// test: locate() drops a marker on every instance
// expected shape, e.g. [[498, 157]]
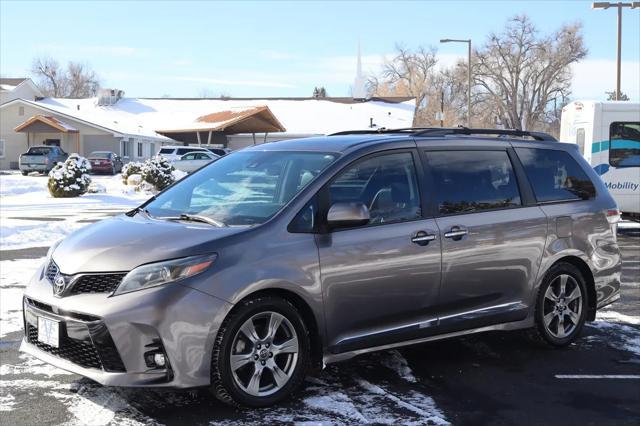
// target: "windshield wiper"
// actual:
[[194, 218]]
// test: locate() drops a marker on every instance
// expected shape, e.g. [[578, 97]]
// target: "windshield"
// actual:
[[246, 188], [99, 155]]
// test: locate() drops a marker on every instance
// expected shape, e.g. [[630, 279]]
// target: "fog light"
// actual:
[[159, 360]]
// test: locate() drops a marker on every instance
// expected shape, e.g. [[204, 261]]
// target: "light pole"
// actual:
[[619, 5], [449, 40]]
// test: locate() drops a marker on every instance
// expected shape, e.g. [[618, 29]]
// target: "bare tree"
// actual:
[[76, 81], [50, 76], [409, 73], [517, 73]]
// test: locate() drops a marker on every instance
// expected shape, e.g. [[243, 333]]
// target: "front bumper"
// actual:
[[105, 338]]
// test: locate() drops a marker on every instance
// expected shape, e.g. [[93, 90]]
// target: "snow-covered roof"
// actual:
[[11, 84], [143, 117]]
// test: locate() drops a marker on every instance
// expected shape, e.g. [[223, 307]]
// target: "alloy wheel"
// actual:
[[562, 308], [264, 354]]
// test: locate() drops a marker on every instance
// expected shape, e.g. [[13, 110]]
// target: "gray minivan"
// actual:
[[294, 254]]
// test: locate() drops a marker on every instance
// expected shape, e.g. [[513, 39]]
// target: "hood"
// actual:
[[122, 243]]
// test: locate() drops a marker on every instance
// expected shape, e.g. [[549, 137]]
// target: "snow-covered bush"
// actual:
[[158, 172], [134, 180], [131, 168], [71, 178]]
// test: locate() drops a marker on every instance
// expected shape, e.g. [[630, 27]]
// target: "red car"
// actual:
[[105, 162]]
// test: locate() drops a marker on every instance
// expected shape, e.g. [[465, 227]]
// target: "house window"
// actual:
[[139, 149], [1, 148], [21, 111], [152, 149], [126, 148]]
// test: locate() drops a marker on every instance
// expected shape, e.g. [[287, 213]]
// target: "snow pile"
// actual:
[[71, 178], [158, 172]]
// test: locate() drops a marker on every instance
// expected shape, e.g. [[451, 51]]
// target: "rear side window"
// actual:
[[471, 181], [167, 151], [624, 150], [555, 175]]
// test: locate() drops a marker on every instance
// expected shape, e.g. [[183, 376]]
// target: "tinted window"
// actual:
[[386, 184], [166, 151], [39, 151], [555, 175], [305, 221], [624, 150], [100, 155], [470, 181]]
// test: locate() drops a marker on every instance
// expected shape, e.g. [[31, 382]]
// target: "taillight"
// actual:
[[613, 216]]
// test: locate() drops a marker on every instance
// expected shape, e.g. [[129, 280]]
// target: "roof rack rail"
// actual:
[[445, 131]]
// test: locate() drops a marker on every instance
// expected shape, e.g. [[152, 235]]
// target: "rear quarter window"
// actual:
[[555, 175], [167, 150]]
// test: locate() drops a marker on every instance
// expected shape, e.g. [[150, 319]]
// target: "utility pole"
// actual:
[[449, 40], [619, 5]]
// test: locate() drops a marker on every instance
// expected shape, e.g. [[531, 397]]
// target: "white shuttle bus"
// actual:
[[608, 136]]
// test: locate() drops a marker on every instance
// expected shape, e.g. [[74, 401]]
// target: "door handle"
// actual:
[[422, 238], [456, 233]]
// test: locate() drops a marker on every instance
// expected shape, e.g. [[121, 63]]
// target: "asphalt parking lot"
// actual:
[[496, 378]]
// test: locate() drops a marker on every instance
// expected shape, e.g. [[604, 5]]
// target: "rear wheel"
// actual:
[[261, 353], [24, 172], [561, 306]]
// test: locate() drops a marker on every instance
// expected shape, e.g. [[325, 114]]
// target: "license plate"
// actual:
[[49, 332]]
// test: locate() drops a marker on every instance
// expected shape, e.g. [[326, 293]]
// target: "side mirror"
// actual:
[[346, 215]]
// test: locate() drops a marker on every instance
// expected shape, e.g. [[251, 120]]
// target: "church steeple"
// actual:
[[359, 84]]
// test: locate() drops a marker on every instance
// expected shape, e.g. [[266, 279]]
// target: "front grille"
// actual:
[[76, 351], [103, 283], [52, 271], [97, 352]]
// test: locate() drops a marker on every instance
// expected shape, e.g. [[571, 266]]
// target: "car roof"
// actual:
[[195, 148], [347, 141]]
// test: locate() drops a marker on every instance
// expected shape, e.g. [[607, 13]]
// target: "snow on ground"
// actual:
[[14, 275], [25, 202]]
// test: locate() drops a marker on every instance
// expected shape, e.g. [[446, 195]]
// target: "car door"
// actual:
[[380, 281], [492, 234]]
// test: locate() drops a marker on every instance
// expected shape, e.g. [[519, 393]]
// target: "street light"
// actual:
[[619, 5], [450, 40]]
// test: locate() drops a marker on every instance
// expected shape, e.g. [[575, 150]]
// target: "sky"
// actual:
[[258, 49]]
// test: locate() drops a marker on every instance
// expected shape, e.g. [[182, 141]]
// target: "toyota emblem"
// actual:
[[59, 285]]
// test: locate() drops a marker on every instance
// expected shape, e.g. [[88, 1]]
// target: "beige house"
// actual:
[[24, 123]]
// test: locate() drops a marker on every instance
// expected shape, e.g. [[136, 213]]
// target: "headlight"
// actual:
[[155, 274]]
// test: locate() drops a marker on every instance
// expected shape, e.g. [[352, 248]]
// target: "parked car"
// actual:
[[220, 152], [105, 162], [41, 159], [173, 153], [300, 253], [192, 161]]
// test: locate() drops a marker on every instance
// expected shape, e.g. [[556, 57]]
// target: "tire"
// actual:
[[237, 385], [560, 314], [113, 170], [24, 173]]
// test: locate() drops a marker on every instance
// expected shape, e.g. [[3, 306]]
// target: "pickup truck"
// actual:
[[41, 159]]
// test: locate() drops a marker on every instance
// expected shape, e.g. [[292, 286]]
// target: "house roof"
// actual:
[[153, 118], [11, 84], [238, 120], [48, 121]]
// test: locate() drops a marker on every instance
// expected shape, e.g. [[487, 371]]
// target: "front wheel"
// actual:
[[561, 306], [261, 353]]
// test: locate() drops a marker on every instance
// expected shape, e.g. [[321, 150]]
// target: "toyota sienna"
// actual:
[[290, 255]]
